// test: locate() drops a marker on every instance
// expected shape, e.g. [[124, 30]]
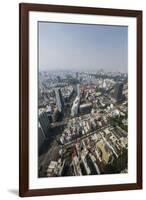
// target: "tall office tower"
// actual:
[[118, 94], [75, 107], [78, 90], [59, 99], [44, 122]]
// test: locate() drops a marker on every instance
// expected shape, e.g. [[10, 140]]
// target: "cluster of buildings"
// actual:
[[90, 155], [80, 126], [92, 111]]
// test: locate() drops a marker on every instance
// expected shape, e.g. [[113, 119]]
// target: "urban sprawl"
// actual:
[[82, 123]]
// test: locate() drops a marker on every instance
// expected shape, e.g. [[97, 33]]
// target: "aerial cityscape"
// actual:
[[82, 111]]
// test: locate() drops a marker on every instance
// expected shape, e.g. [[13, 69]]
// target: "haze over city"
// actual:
[[82, 47]]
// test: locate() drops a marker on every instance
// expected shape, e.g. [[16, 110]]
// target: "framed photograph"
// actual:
[[80, 99]]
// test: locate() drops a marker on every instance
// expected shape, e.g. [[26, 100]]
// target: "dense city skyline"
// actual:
[[82, 47], [83, 123]]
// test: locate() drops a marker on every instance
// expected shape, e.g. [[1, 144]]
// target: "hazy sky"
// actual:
[[82, 47]]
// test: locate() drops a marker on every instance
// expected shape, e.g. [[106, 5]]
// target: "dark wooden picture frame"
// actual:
[[24, 9]]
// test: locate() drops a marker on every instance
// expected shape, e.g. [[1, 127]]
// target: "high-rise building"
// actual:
[[75, 107], [118, 93], [59, 99], [78, 90], [44, 122]]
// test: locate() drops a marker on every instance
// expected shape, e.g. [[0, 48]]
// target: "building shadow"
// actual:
[[13, 191]]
